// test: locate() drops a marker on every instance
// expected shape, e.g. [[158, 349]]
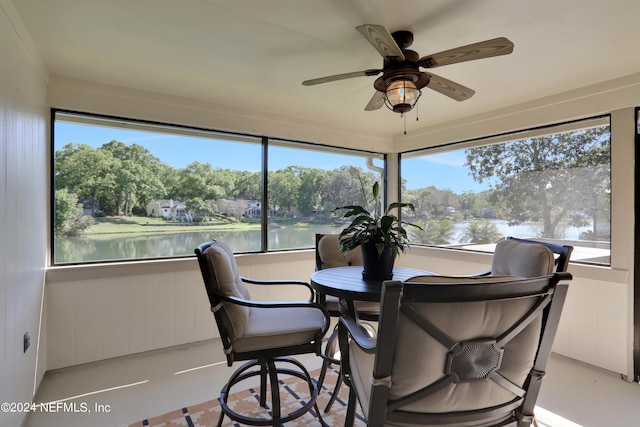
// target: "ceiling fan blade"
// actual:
[[371, 72], [382, 40], [485, 49], [376, 102], [447, 87]]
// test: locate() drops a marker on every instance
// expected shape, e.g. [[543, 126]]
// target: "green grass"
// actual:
[[143, 225], [134, 224]]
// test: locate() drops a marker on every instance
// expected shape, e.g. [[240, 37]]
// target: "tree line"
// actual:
[[552, 180], [119, 179]]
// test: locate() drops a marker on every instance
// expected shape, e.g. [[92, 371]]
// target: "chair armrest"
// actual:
[[485, 273], [482, 274], [281, 282], [270, 304], [360, 337]]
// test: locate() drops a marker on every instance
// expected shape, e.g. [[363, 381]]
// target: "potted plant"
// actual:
[[381, 236]]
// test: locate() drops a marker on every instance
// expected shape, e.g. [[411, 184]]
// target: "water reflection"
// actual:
[[108, 247], [80, 249]]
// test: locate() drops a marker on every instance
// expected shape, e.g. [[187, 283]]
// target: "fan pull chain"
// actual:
[[405, 123], [404, 116]]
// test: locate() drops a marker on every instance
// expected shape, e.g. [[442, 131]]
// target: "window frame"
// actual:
[[142, 124], [506, 137]]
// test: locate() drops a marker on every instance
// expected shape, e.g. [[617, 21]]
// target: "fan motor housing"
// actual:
[[407, 69]]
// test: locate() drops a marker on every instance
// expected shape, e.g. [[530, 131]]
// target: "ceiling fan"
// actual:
[[401, 82]]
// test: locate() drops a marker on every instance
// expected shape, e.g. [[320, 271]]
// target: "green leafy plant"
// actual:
[[383, 230]]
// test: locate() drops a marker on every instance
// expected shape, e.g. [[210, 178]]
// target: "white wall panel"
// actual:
[[148, 306], [23, 211], [593, 328], [138, 314], [113, 308], [84, 302], [60, 325], [163, 313], [127, 310]]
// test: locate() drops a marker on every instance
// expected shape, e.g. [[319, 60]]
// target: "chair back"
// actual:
[[529, 258], [562, 253], [328, 254], [461, 353], [222, 279]]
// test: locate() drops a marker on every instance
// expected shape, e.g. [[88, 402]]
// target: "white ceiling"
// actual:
[[255, 53]]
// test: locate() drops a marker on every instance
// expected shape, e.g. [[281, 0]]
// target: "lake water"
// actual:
[[120, 246]]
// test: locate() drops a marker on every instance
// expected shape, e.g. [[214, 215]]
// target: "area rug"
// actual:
[[293, 392]]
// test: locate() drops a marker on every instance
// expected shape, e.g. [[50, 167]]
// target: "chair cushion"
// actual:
[[462, 322], [229, 283], [366, 307], [361, 366], [331, 256], [513, 258], [273, 328], [413, 371], [460, 279]]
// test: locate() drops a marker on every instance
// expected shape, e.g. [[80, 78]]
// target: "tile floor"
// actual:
[[117, 392]]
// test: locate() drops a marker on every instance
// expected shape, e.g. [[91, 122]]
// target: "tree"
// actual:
[[312, 182], [420, 198], [541, 179], [84, 171], [434, 232], [343, 187], [468, 201], [480, 232], [248, 185], [284, 187], [117, 175], [68, 218], [199, 208], [169, 179], [136, 175], [198, 180]]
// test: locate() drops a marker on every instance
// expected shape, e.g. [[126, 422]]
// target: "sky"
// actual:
[[443, 170]]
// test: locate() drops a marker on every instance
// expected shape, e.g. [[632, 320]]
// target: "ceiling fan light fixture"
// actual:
[[401, 95]]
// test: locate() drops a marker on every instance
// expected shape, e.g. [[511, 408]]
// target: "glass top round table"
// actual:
[[347, 282]]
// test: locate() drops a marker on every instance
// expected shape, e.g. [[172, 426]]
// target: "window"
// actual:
[[552, 183], [306, 183], [126, 190]]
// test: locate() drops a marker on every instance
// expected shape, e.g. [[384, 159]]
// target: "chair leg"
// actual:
[[327, 356], [329, 359], [351, 409], [267, 367], [263, 383], [275, 393], [323, 372], [336, 389], [220, 419]]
